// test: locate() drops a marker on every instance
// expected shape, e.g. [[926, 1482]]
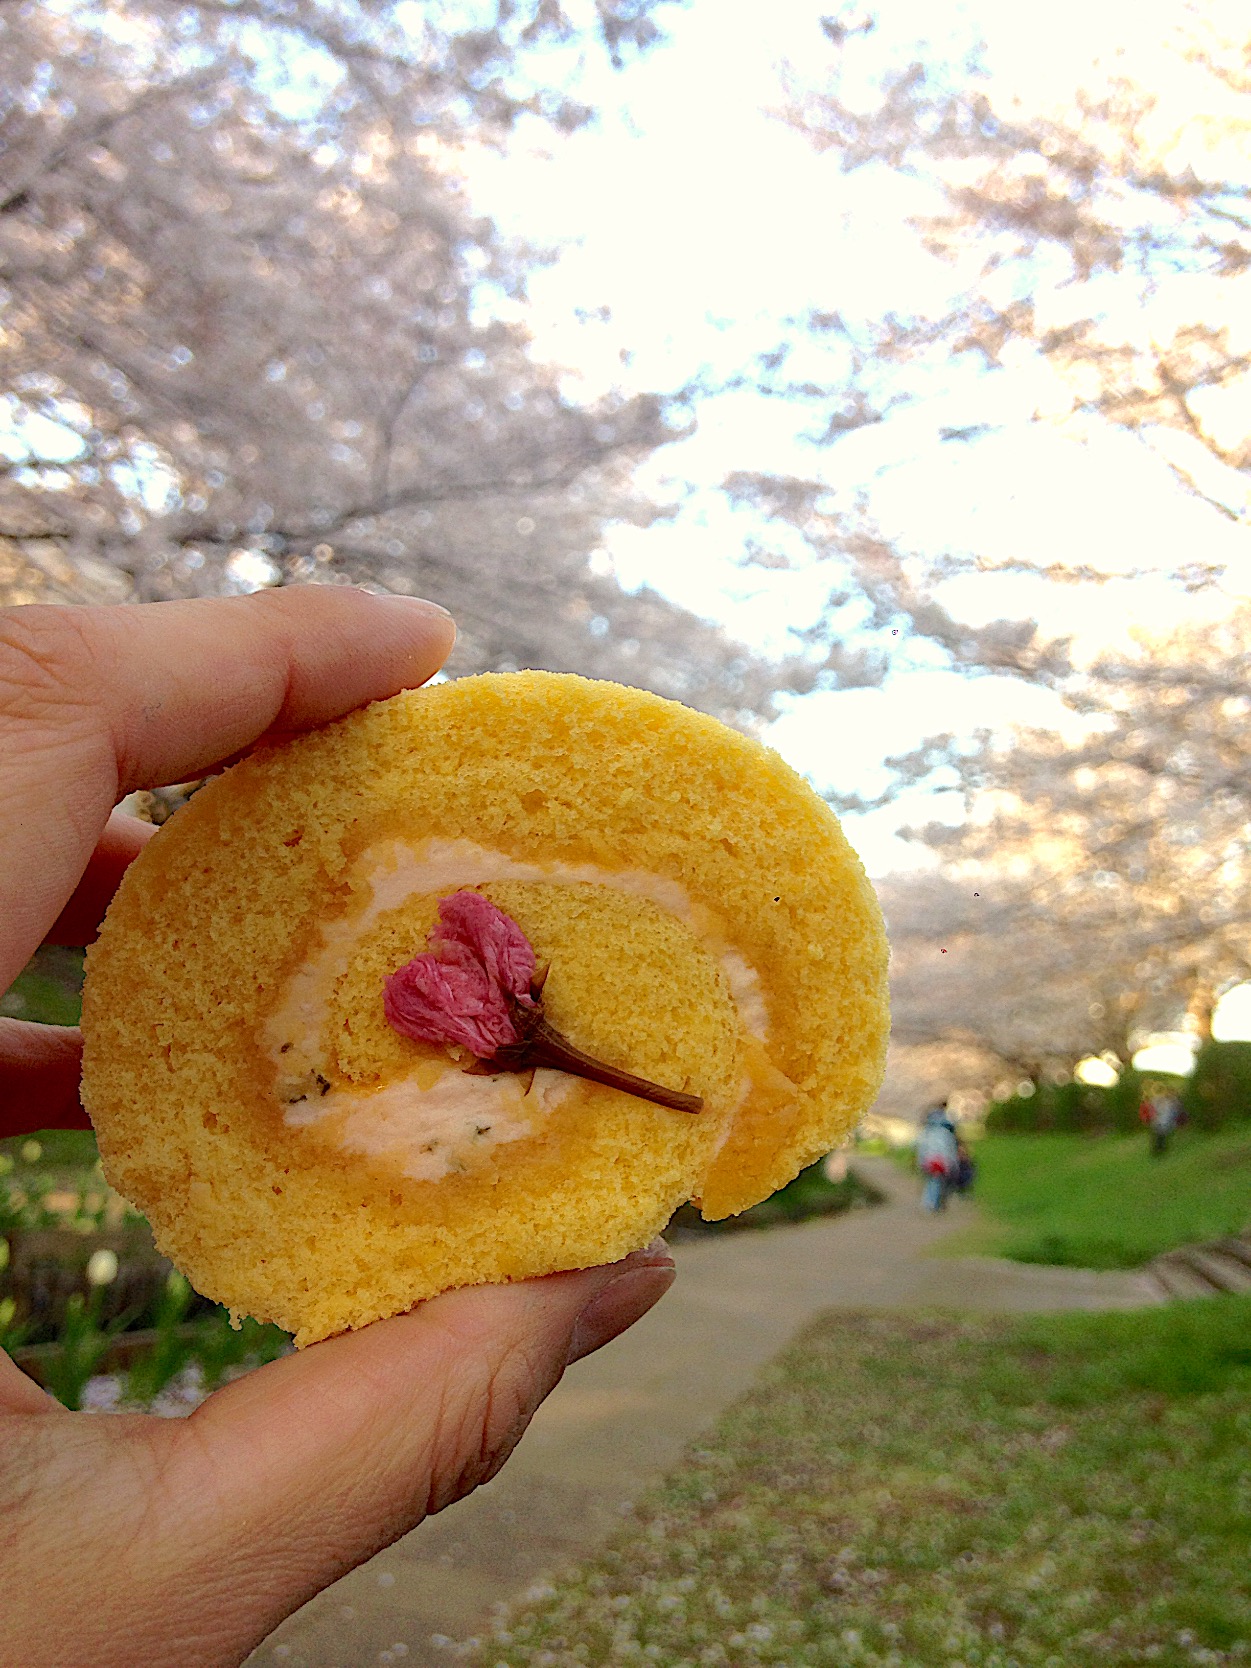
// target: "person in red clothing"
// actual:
[[1161, 1111]]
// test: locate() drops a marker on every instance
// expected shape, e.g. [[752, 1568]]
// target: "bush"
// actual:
[[1220, 1089], [49, 1149], [1081, 1108], [1217, 1093], [810, 1194]]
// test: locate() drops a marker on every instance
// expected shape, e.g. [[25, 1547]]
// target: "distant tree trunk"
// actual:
[[1199, 1012]]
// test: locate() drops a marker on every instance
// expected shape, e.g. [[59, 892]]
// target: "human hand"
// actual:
[[126, 1539]]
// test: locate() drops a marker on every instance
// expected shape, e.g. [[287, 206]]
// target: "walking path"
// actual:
[[624, 1416]]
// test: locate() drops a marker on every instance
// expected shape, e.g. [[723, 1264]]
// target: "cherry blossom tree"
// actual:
[[1098, 247], [254, 333], [1110, 237], [989, 961], [1097, 888]]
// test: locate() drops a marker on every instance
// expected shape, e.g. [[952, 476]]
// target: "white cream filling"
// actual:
[[432, 1133], [436, 1130]]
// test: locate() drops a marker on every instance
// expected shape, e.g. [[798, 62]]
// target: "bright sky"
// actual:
[[702, 224]]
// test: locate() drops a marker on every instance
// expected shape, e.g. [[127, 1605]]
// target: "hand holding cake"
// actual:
[[127, 1539]]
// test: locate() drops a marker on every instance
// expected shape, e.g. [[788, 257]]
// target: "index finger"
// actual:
[[95, 702]]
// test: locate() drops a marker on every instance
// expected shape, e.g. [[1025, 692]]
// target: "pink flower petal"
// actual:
[[435, 1002], [469, 922], [461, 994]]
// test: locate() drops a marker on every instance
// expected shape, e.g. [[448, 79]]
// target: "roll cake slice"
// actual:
[[507, 857]]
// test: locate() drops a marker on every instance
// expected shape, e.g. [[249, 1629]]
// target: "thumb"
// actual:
[[318, 1460]]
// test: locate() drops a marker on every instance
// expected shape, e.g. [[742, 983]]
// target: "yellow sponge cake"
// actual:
[[289, 1054]]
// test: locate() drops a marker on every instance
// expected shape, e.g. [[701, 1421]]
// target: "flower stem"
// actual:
[[542, 1045]]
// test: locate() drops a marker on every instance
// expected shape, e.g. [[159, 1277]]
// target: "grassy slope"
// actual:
[[1105, 1202], [903, 1492]]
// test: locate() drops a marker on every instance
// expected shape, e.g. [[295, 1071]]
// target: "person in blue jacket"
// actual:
[[938, 1157]]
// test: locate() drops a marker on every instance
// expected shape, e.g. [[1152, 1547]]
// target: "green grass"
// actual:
[[1103, 1201], [49, 988], [906, 1492], [81, 1348], [75, 1345], [86, 1346]]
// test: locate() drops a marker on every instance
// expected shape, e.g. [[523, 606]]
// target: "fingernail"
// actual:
[[644, 1278], [420, 604]]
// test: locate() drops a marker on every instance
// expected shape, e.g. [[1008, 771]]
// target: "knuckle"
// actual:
[[481, 1414], [46, 663], [485, 1428]]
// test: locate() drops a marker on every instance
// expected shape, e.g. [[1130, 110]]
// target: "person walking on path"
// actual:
[[937, 1157], [1161, 1111]]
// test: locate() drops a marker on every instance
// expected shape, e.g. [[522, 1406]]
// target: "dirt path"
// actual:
[[624, 1416]]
